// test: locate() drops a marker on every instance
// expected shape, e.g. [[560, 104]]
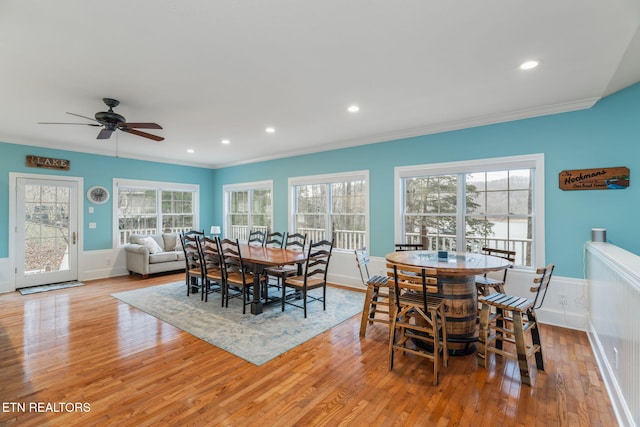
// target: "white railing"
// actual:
[[344, 239], [614, 302], [348, 239], [125, 234], [447, 242]]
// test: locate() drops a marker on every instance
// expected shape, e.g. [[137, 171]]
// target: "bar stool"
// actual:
[[484, 283], [378, 298], [523, 318]]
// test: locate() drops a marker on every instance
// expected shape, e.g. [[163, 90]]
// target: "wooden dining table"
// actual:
[[262, 257], [456, 275]]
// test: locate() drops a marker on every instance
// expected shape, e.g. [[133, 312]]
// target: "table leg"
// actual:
[[256, 304]]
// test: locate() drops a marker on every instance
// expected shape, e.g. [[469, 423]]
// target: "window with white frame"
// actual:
[[335, 205], [149, 207], [248, 206], [465, 206]]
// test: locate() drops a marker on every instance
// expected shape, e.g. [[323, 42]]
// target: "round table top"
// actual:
[[456, 264]]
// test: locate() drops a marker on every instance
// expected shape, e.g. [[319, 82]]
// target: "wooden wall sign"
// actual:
[[48, 163], [595, 179]]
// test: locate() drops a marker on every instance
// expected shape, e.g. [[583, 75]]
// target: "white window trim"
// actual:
[[328, 179], [244, 186], [156, 185], [528, 161]]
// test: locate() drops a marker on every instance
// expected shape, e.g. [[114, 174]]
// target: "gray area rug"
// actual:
[[52, 287], [254, 338]]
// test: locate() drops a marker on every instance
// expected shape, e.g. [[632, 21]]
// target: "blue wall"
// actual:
[[99, 170], [606, 135]]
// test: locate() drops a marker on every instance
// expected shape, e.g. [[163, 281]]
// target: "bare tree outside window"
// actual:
[[47, 225]]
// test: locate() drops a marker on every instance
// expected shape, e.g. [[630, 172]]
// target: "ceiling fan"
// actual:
[[111, 121]]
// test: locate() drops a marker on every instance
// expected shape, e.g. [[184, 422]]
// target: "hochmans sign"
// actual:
[[595, 179]]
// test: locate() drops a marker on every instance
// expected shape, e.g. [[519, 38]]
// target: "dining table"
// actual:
[[261, 257], [456, 274]]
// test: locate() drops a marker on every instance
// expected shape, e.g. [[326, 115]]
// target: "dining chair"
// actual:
[[314, 276], [485, 284], [494, 331], [257, 237], [275, 240], [378, 299], [418, 324], [194, 277], [295, 241], [236, 274], [199, 233], [409, 247], [213, 265]]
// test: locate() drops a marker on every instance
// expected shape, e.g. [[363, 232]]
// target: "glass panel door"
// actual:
[[46, 241]]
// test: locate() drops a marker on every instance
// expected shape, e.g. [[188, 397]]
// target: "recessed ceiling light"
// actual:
[[226, 141], [528, 65], [270, 130], [191, 151], [353, 109]]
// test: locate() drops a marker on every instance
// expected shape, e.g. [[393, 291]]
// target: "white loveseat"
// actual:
[[144, 257]]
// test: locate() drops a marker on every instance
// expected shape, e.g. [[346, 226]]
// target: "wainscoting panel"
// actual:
[[614, 304]]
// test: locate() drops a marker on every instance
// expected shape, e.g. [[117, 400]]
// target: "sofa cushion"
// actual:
[[171, 242], [151, 244], [163, 257]]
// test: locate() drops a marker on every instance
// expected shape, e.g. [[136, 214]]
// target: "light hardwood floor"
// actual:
[[81, 345]]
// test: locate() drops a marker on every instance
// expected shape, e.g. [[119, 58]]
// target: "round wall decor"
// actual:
[[98, 195]]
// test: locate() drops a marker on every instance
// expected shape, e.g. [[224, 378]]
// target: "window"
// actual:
[[464, 206], [327, 206], [248, 207], [146, 207]]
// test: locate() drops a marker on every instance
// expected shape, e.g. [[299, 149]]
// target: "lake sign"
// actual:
[[595, 179]]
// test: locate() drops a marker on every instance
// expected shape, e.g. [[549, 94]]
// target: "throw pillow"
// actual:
[[152, 245]]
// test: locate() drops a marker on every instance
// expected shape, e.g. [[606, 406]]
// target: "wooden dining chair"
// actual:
[[484, 284], [314, 276], [295, 241], [275, 240], [418, 322], [494, 319], [236, 275], [214, 269], [257, 237], [194, 276], [378, 300]]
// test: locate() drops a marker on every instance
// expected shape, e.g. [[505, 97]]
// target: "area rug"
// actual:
[[52, 287], [254, 338]]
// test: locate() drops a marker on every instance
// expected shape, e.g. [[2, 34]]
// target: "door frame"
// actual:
[[13, 230]]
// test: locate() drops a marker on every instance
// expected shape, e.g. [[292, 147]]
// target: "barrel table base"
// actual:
[[461, 311]]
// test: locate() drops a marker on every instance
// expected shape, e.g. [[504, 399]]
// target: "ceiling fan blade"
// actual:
[[59, 123], [142, 125], [104, 134], [84, 117], [143, 134]]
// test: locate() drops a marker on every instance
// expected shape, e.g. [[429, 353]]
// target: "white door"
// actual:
[[46, 225]]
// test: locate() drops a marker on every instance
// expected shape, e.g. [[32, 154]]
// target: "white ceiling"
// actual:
[[210, 70]]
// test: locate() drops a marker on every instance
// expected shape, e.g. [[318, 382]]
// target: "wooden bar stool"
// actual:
[[485, 284], [418, 318], [378, 299], [523, 318]]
